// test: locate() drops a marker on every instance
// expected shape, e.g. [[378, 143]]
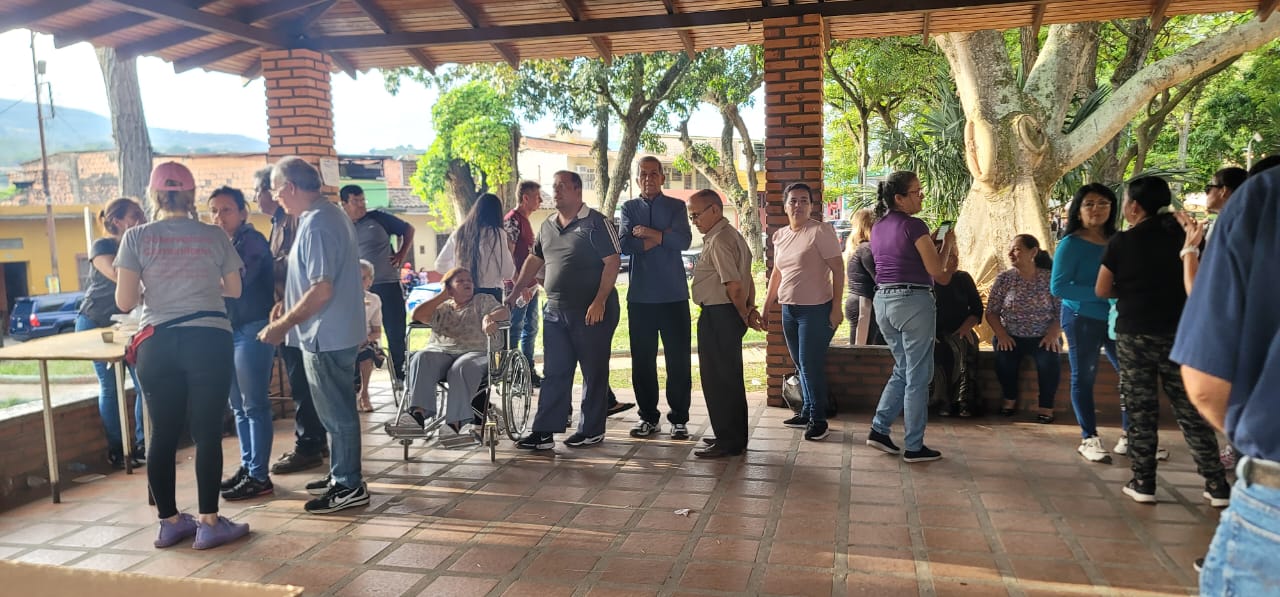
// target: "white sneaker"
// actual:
[[1162, 454], [1091, 449], [1122, 445]]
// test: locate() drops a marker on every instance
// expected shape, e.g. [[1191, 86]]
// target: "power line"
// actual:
[[14, 104]]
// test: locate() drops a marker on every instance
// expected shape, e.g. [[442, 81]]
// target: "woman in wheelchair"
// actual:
[[460, 320]]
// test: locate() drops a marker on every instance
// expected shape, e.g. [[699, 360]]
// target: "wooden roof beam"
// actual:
[[632, 24], [383, 22], [343, 64], [211, 55], [670, 5], [1158, 8], [37, 12], [604, 48], [686, 38], [420, 56], [275, 8], [297, 26], [111, 24], [477, 20], [924, 30], [1037, 17], [252, 72], [1266, 7], [204, 21]]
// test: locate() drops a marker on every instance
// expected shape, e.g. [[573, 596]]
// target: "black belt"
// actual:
[[904, 287], [1260, 472]]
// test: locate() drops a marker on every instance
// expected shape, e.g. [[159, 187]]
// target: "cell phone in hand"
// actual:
[[944, 228]]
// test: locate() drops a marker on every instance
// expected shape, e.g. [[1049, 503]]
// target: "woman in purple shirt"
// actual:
[[907, 265], [1024, 316]]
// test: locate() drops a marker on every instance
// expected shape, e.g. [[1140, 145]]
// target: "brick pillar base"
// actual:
[[299, 106], [793, 50]]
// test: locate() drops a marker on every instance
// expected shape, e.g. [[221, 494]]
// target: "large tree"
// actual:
[[1015, 146], [726, 79], [128, 123]]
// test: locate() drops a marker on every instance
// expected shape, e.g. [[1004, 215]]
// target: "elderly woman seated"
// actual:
[[460, 320]]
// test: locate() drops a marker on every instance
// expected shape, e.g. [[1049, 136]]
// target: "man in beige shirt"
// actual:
[[722, 286]]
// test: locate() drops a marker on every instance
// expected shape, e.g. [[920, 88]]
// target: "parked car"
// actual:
[[45, 315], [625, 265], [690, 259]]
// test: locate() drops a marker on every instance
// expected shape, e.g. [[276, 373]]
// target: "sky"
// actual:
[[366, 116]]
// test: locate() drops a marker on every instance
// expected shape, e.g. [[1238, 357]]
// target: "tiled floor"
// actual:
[[1010, 510]]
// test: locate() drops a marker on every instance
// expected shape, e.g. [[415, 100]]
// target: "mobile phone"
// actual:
[[944, 228]]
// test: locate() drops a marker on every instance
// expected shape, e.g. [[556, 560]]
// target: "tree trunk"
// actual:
[[622, 168], [1029, 40], [864, 146], [510, 189], [128, 123], [462, 188], [600, 149], [749, 222]]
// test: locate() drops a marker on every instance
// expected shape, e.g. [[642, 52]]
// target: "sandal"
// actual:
[[364, 406]]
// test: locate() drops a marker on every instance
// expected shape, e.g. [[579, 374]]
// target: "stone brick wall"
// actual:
[[793, 50], [299, 105]]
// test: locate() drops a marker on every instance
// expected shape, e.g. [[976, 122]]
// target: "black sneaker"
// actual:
[[1198, 564], [116, 460], [797, 422], [1218, 493], [248, 488], [816, 431], [293, 462], [1143, 493], [882, 442], [536, 441], [534, 379], [233, 480], [619, 407], [339, 498], [140, 452], [320, 486], [924, 454], [579, 440]]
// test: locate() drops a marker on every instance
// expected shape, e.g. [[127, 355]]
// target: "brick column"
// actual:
[[299, 106], [793, 50]]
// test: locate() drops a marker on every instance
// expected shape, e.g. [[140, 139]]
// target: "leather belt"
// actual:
[[1256, 471], [904, 287]]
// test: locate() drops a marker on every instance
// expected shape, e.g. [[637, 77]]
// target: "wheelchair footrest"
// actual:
[[408, 431]]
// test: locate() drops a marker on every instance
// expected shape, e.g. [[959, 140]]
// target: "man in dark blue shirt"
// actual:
[[1229, 347], [655, 229]]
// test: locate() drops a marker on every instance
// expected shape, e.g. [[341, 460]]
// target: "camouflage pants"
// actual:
[[1144, 359]]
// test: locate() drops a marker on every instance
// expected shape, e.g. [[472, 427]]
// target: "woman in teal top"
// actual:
[[1090, 223]]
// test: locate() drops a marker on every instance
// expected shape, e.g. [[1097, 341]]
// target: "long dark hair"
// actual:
[[1074, 222], [1043, 260], [484, 218], [896, 184]]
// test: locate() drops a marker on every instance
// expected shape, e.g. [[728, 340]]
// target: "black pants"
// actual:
[[852, 314], [671, 322], [569, 343], [720, 332], [187, 372], [310, 433], [393, 322]]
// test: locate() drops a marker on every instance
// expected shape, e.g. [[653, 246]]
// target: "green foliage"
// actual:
[[473, 124], [932, 145], [6, 193]]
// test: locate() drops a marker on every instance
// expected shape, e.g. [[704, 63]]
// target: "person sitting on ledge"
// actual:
[[1024, 316]]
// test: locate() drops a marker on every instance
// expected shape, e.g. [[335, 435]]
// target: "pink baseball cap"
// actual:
[[172, 176]]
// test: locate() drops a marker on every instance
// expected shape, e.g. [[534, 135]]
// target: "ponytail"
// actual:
[[888, 189], [1043, 260]]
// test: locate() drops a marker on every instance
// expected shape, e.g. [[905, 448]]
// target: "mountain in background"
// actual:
[[81, 130]]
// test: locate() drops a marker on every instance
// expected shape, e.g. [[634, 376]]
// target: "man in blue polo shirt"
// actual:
[[655, 229], [1229, 346]]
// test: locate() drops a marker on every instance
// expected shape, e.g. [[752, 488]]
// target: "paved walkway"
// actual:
[[1010, 510]]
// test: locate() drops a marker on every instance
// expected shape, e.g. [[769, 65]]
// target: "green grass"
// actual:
[[56, 368]]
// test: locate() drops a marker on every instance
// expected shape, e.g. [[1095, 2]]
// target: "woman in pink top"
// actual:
[[807, 279]]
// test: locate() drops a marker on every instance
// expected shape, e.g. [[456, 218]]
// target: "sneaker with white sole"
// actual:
[[1218, 493], [1091, 449], [1122, 445], [536, 441], [339, 498], [320, 486], [882, 442], [817, 431], [797, 422], [645, 429], [579, 440], [1162, 454], [679, 431], [1143, 493], [924, 454]]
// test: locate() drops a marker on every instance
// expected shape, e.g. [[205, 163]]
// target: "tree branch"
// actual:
[[1053, 79], [1129, 99]]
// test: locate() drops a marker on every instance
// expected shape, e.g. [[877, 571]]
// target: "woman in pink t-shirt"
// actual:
[[807, 279]]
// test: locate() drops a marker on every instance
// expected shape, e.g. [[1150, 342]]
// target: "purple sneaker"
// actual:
[[222, 532], [173, 532]]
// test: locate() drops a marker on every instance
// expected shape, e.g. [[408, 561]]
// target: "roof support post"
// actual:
[[299, 106], [793, 78]]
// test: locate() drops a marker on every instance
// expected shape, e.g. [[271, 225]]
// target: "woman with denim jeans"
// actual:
[[1091, 221], [807, 279], [248, 315], [184, 348], [907, 265], [95, 312], [1023, 314]]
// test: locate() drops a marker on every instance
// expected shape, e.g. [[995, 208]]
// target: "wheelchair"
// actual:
[[508, 412]]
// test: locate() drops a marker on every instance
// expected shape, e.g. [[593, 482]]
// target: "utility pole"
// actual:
[[53, 282]]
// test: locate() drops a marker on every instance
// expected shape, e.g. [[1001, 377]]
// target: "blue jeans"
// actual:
[[807, 330], [524, 328], [907, 318], [1085, 337], [1241, 559], [567, 344], [1048, 368], [331, 376], [108, 402], [249, 399]]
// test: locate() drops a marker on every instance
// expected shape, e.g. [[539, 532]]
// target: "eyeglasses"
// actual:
[[694, 215], [1095, 204], [1210, 187]]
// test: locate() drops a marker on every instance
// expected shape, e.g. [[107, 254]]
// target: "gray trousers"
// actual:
[[463, 372]]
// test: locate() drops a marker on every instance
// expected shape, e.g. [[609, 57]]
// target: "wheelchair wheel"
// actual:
[[516, 389]]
